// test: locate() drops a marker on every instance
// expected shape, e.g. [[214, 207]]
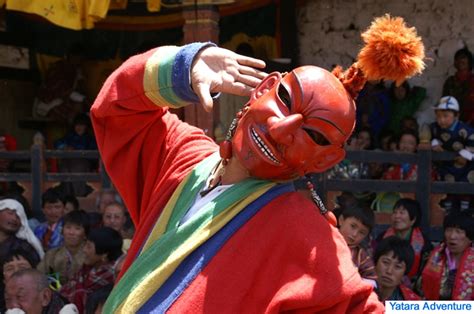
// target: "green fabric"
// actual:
[[175, 233], [164, 78], [405, 107]]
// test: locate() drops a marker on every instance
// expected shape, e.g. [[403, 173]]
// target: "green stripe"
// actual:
[[170, 241], [165, 71]]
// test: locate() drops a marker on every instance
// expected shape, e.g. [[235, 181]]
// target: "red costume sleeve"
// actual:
[[145, 148]]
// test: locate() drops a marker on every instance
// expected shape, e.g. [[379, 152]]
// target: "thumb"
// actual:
[[204, 94]]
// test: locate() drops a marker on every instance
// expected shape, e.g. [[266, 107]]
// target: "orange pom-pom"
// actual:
[[392, 51]]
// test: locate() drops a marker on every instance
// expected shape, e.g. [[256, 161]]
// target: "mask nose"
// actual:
[[282, 129]]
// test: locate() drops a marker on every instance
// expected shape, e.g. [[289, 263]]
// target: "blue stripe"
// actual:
[[188, 270], [180, 77]]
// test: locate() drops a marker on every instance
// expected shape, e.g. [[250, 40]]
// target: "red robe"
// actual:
[[287, 257]]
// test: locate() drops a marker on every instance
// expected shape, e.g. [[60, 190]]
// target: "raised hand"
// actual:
[[220, 70]]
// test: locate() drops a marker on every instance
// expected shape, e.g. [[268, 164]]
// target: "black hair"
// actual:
[[413, 208], [51, 196], [97, 298], [409, 132], [81, 118], [462, 221], [401, 249], [371, 136], [364, 214], [29, 255], [71, 199], [107, 241], [405, 85], [78, 217], [464, 53]]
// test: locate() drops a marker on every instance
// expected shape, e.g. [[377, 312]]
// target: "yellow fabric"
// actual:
[[158, 276], [165, 216], [153, 5], [150, 80], [73, 14]]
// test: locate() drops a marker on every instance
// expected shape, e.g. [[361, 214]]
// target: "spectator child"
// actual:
[[451, 134], [355, 224], [50, 231]]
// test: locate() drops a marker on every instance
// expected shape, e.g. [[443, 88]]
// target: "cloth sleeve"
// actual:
[[145, 149]]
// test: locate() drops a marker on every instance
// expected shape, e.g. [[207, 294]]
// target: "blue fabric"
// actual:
[[56, 239], [188, 270], [180, 78]]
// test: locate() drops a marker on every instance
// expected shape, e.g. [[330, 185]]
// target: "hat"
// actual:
[[447, 103]]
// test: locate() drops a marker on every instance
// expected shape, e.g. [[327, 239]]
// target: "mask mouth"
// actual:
[[263, 147]]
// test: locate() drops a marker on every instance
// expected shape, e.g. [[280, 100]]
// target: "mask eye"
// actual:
[[317, 137], [284, 96]]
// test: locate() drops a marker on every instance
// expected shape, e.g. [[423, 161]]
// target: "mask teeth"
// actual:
[[263, 147]]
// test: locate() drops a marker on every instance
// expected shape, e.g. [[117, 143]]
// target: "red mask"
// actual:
[[294, 125]]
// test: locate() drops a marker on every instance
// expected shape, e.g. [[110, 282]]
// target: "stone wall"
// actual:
[[329, 33]]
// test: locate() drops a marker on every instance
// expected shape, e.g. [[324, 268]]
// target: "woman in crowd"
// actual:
[[393, 259], [63, 262], [102, 249], [405, 222], [449, 272]]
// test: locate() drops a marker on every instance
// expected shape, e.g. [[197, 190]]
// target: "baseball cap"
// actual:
[[447, 103]]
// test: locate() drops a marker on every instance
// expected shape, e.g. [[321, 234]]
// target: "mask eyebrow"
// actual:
[[329, 122]]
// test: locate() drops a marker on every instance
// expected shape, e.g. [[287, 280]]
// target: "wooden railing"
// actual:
[[38, 174], [423, 187]]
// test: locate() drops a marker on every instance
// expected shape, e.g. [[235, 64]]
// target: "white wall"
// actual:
[[329, 33]]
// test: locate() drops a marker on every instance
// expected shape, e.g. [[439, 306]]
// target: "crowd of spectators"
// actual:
[[73, 256], [70, 257]]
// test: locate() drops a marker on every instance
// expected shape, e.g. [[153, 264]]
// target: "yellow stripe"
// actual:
[[150, 78], [158, 276], [162, 222]]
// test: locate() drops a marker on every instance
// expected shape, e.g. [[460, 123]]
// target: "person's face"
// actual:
[[390, 271], [399, 92], [105, 199], [53, 211], [80, 129], [22, 292], [407, 143], [288, 129], [114, 217], [461, 64], [68, 207], [10, 223], [74, 235], [456, 240], [18, 263], [409, 124], [363, 140], [445, 118], [91, 258], [401, 219], [353, 230]]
